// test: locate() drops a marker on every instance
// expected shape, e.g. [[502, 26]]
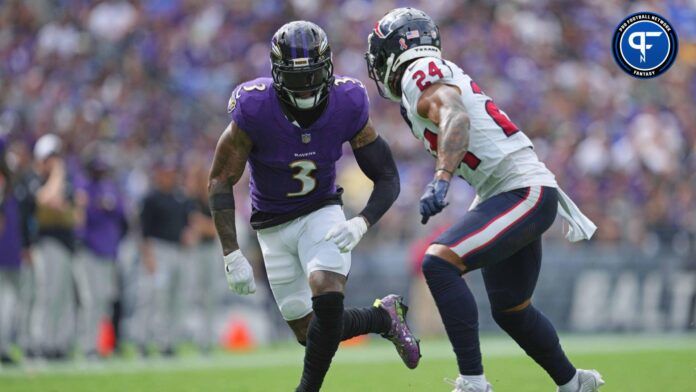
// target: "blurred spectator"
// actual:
[[10, 258], [203, 269], [166, 232], [111, 20], [25, 183], [57, 214], [100, 236]]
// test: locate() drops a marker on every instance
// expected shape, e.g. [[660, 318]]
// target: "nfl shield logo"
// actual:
[[306, 138]]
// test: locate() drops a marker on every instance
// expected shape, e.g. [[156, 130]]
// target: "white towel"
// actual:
[[580, 227]]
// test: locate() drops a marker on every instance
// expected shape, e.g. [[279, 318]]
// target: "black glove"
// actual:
[[433, 200]]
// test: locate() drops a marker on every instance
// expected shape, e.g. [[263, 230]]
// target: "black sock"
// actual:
[[458, 311], [535, 334], [323, 337], [361, 321]]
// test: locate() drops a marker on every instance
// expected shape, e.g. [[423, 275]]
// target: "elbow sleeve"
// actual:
[[376, 161]]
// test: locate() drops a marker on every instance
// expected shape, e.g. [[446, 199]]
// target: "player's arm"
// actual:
[[52, 193], [230, 159], [375, 160], [231, 155], [442, 104]]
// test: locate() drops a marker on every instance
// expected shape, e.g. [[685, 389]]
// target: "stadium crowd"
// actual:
[[110, 110]]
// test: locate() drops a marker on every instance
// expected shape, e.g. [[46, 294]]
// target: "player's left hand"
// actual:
[[346, 235], [433, 200]]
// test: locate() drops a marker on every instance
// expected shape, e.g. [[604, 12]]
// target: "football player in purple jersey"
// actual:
[[291, 129]]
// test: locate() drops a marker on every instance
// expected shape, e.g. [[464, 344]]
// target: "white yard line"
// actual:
[[379, 352]]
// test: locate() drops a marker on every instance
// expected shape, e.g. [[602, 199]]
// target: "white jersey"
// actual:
[[500, 157]]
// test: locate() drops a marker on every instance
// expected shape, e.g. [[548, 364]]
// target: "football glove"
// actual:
[[346, 235], [240, 275], [433, 200]]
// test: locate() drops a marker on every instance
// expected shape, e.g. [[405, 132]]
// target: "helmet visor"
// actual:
[[303, 80]]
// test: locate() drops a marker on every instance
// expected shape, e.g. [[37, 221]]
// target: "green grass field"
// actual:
[[628, 363]]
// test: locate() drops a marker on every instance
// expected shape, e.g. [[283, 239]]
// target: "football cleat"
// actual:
[[404, 341], [463, 385], [588, 381]]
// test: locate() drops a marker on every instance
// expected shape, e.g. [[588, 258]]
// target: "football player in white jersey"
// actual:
[[517, 200]]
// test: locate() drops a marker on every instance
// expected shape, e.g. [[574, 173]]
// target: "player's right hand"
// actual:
[[347, 234], [433, 200], [240, 275]]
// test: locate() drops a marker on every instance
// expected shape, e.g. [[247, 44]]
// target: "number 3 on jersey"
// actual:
[[304, 176], [232, 103], [419, 76]]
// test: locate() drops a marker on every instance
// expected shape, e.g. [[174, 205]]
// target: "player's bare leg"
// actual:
[[299, 327]]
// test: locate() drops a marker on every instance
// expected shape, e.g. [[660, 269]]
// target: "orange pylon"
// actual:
[[238, 337]]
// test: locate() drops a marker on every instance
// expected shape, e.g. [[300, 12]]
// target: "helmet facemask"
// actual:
[[401, 36], [303, 86], [379, 68]]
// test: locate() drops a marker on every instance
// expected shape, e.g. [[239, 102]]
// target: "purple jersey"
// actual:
[[293, 169], [10, 233], [105, 218]]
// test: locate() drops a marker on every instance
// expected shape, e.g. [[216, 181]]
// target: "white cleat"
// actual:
[[588, 381], [462, 385]]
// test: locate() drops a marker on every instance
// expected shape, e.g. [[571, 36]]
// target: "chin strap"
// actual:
[[387, 91]]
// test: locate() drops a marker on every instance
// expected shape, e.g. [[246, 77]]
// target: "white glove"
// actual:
[[346, 235], [240, 275]]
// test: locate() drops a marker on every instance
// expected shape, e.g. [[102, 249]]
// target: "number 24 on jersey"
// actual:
[[419, 76]]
